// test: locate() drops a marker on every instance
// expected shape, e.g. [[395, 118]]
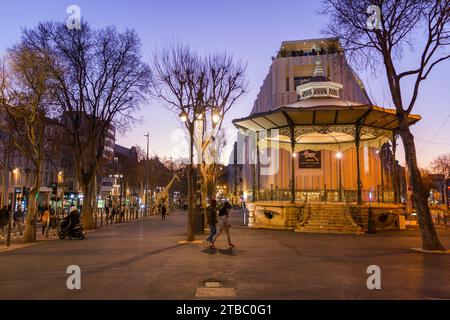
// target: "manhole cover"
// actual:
[[213, 284], [215, 292]]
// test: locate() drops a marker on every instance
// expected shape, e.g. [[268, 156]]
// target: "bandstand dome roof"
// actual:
[[323, 111], [321, 106]]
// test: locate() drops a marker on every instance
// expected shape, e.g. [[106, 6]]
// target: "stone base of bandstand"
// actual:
[[274, 215], [386, 216], [325, 217]]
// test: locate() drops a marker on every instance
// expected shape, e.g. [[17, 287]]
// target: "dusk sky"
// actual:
[[251, 30]]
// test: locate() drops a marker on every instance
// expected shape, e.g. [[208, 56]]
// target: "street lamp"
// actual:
[[215, 116], [183, 116], [199, 116]]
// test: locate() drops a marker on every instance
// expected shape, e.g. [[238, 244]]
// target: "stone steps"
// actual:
[[329, 219], [342, 231]]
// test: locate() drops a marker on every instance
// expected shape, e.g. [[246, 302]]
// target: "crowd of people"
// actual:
[[47, 217]]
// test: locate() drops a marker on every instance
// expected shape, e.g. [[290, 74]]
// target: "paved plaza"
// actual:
[[144, 260]]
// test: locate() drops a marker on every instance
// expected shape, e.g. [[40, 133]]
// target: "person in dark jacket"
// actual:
[[4, 218], [224, 225], [113, 215], [163, 212], [18, 221], [107, 213], [211, 220], [74, 218]]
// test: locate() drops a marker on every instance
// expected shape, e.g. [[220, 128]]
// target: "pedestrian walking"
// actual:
[[224, 225], [163, 212], [122, 214], [211, 219], [18, 221], [45, 221], [445, 219], [4, 219]]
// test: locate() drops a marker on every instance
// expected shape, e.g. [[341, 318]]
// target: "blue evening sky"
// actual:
[[251, 30]]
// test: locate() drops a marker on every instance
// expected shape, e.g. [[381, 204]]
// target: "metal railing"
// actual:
[[325, 195]]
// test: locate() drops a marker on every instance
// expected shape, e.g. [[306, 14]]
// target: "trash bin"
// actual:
[[199, 221]]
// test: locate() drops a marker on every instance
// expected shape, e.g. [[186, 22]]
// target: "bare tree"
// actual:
[[181, 82], [26, 96], [201, 90], [6, 139], [100, 81], [441, 165], [226, 85], [400, 22]]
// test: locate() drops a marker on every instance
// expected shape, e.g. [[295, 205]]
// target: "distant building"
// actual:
[[438, 195], [294, 66], [234, 177], [116, 172], [58, 169]]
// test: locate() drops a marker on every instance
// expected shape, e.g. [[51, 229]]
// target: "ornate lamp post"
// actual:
[[198, 119]]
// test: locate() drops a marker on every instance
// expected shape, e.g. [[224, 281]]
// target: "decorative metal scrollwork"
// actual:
[[376, 132], [327, 129], [302, 130]]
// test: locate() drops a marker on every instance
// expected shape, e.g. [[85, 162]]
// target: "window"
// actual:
[[301, 80], [287, 84], [320, 91], [333, 92], [306, 93]]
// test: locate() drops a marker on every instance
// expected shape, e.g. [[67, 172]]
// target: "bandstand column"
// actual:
[[358, 173], [258, 168], [253, 170], [394, 169], [292, 136], [382, 173]]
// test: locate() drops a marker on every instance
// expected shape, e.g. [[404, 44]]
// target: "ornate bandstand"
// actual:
[[323, 127]]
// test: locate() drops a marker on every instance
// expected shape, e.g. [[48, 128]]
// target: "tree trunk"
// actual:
[[5, 177], [151, 206], [30, 220], [190, 225], [204, 192], [86, 213], [430, 239]]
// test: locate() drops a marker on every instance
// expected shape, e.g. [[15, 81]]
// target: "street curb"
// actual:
[[430, 251], [19, 246], [26, 245], [191, 242]]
